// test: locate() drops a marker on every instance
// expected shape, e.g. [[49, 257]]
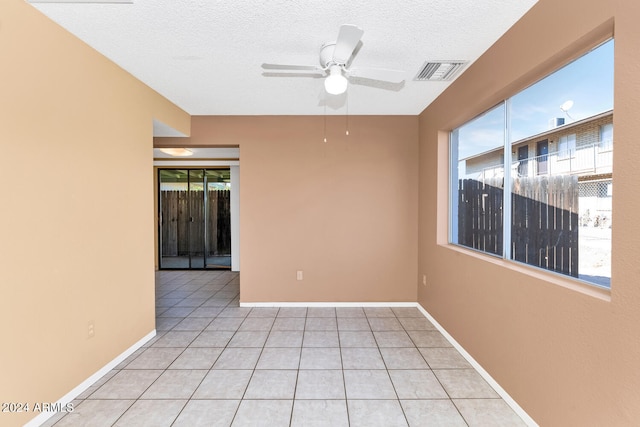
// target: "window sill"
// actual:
[[540, 274]]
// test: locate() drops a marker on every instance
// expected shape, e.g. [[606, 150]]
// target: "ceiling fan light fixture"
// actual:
[[335, 83], [177, 152]]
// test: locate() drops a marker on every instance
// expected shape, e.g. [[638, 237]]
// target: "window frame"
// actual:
[[570, 152]]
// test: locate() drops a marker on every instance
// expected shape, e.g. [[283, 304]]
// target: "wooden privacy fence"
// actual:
[[480, 214], [544, 220], [183, 222], [544, 229]]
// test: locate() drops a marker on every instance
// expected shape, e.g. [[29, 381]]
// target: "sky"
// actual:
[[587, 81]]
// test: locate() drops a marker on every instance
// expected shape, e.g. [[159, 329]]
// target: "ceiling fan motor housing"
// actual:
[[326, 54], [335, 60]]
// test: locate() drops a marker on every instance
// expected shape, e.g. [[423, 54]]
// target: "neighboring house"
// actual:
[[583, 148]]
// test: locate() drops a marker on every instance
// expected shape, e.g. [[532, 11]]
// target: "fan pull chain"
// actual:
[[347, 131], [325, 118]]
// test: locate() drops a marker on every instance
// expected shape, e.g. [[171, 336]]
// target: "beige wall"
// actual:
[[76, 217], [568, 355], [344, 212]]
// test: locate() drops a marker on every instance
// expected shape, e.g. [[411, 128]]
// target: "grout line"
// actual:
[[429, 369], [205, 375], [121, 415], [387, 367], [295, 387], [344, 380], [253, 371]]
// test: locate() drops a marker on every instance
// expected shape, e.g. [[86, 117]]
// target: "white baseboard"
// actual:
[[327, 304], [488, 378], [44, 416]]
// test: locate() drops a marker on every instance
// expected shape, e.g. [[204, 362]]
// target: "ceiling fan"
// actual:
[[335, 60]]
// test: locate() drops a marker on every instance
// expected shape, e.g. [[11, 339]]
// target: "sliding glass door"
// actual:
[[195, 220], [218, 227]]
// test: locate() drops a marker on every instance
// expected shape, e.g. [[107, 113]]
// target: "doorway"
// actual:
[[542, 150], [523, 165], [195, 218]]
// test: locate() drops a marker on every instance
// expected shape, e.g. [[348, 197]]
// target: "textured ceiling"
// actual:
[[205, 55]]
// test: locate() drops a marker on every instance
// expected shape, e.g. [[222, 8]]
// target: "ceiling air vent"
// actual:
[[439, 70]]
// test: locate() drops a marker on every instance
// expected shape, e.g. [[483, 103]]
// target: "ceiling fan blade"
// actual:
[[314, 75], [382, 74], [348, 39], [291, 67]]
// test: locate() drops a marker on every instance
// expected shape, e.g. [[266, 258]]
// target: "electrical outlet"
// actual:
[[424, 280], [299, 275], [91, 330]]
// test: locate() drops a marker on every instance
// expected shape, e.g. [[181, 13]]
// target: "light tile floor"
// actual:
[[214, 363]]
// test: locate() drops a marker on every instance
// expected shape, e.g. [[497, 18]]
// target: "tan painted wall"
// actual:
[[76, 216], [344, 212], [568, 355]]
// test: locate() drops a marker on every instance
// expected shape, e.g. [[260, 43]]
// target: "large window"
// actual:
[[531, 179]]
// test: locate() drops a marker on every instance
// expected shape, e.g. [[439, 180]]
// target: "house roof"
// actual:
[[566, 127]]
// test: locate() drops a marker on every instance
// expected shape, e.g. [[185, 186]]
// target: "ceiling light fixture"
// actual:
[[335, 83], [177, 152]]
